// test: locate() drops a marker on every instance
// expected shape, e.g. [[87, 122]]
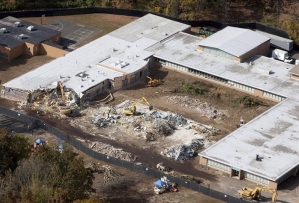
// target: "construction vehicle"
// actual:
[[132, 110], [255, 194], [162, 167], [241, 122], [152, 82], [62, 106]]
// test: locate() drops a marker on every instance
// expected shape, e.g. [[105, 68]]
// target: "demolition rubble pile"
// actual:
[[110, 175], [113, 152], [183, 151], [166, 123], [203, 108]]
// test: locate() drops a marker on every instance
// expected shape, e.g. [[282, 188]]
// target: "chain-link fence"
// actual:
[[118, 162]]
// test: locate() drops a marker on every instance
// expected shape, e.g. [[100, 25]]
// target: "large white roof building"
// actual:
[[122, 56]]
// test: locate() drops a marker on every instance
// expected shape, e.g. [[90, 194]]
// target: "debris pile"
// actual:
[[175, 119], [113, 152], [110, 175], [205, 129], [204, 108], [184, 151]]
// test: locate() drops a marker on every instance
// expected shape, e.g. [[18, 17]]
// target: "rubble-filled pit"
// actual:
[[155, 128]]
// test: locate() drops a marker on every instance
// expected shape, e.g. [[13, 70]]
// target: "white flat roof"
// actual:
[[105, 50], [149, 26], [239, 148], [274, 136], [182, 50], [236, 41]]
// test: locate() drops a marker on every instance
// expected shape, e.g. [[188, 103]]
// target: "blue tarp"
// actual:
[[60, 146], [160, 183], [38, 141]]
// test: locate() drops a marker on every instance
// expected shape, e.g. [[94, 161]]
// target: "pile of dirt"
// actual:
[[204, 108]]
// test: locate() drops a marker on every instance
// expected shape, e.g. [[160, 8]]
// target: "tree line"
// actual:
[[44, 176], [268, 10]]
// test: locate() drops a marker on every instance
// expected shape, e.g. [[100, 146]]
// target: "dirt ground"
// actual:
[[171, 82]]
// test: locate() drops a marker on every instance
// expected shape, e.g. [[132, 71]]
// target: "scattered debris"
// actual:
[[163, 185], [183, 151], [110, 175], [203, 108], [113, 152]]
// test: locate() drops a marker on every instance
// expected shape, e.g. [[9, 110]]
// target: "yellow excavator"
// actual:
[[62, 107], [255, 194], [132, 110], [152, 82]]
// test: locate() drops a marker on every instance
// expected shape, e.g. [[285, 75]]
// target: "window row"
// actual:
[[256, 178], [193, 71], [218, 165], [273, 96], [241, 86]]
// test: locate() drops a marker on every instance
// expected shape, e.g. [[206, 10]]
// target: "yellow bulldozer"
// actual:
[[255, 194], [152, 82], [132, 110]]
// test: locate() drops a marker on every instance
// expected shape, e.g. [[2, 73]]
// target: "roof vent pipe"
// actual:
[[257, 157]]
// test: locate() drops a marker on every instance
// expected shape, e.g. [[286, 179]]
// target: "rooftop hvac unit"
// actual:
[[31, 27], [3, 30], [22, 36], [18, 24]]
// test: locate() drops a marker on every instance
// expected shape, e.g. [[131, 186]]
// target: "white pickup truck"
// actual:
[[281, 55]]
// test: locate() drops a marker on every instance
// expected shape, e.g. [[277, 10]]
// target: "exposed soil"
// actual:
[[172, 81]]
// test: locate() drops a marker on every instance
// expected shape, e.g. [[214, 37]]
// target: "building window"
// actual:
[[35, 48], [28, 48], [56, 38], [255, 178], [140, 74], [3, 92], [218, 165]]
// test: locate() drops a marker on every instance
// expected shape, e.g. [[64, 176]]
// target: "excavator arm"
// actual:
[[256, 193], [132, 110], [62, 92]]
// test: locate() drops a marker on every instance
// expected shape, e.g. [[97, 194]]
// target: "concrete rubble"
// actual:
[[204, 108], [184, 151], [112, 151]]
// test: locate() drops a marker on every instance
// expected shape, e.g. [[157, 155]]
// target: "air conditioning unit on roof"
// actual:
[[3, 30], [31, 27], [22, 36], [18, 24]]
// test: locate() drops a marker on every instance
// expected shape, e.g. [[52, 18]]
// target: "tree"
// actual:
[[48, 176], [13, 148]]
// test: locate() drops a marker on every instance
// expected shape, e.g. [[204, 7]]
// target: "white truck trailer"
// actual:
[[281, 55]]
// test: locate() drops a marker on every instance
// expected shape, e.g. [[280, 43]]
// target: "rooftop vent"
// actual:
[[22, 36], [3, 30], [31, 27], [264, 71], [119, 64], [17, 24]]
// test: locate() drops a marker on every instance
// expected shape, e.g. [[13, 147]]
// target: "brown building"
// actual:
[[235, 44], [19, 37]]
